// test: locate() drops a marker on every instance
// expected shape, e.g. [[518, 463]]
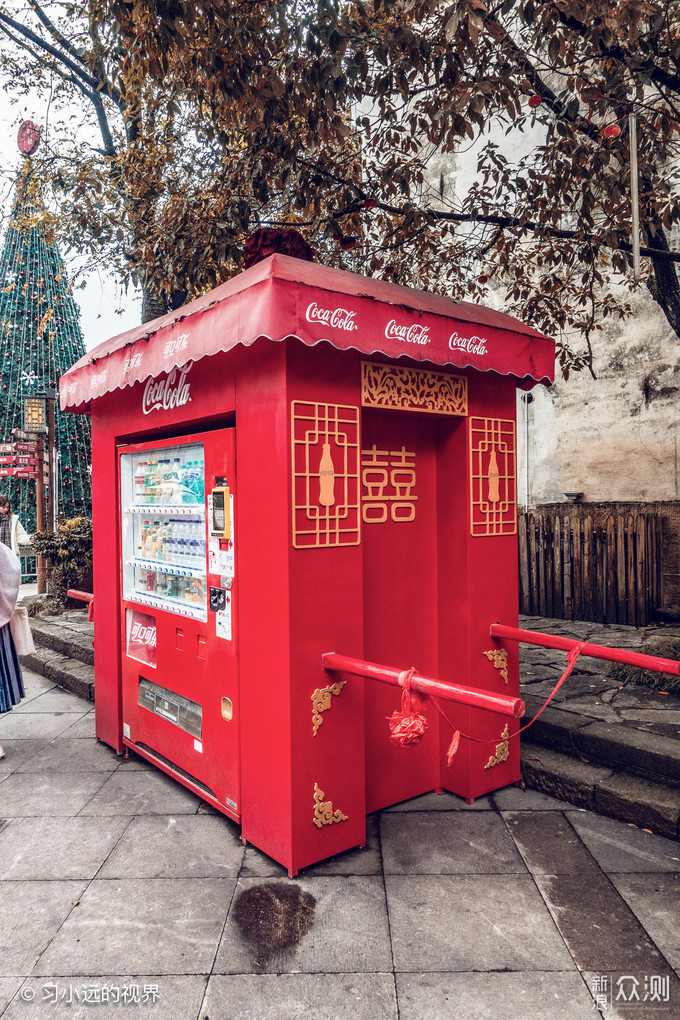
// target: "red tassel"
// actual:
[[453, 747], [408, 726]]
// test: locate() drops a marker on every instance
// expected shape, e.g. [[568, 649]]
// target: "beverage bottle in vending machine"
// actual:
[[140, 482], [150, 487]]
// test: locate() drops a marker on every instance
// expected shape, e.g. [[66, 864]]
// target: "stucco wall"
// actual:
[[616, 437]]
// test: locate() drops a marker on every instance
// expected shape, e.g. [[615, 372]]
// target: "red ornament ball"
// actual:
[[370, 203], [535, 101], [612, 131], [482, 279]]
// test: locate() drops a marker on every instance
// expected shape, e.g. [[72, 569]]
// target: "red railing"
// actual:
[[531, 637], [505, 704]]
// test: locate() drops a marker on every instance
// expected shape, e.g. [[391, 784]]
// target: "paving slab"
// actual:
[[455, 843], [440, 802], [472, 922], [57, 848], [154, 926], [621, 996], [8, 987], [517, 798], [141, 793], [621, 847], [71, 754], [36, 725], [292, 996], [30, 915], [549, 844], [83, 727], [47, 794], [53, 700], [602, 933], [349, 933], [17, 751], [176, 846], [655, 901], [121, 997], [360, 861], [512, 996]]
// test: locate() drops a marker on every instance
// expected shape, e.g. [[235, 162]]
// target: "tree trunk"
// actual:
[[663, 285], [153, 304]]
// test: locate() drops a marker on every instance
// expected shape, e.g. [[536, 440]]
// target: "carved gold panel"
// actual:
[[413, 389], [323, 810], [502, 749], [325, 475], [499, 657], [493, 509], [321, 702]]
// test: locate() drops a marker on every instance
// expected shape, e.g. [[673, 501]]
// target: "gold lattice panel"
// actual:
[[493, 508], [325, 466], [413, 389]]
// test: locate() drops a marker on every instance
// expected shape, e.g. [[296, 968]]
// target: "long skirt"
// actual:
[[11, 684]]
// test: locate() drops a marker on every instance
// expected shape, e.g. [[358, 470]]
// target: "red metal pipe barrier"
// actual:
[[530, 637], [501, 703], [84, 596]]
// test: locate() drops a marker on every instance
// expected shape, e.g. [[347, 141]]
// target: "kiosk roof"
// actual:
[[284, 297]]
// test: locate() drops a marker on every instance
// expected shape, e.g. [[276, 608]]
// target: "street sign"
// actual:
[[20, 461], [30, 436]]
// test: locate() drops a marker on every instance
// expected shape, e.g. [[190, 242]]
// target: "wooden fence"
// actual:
[[573, 568]]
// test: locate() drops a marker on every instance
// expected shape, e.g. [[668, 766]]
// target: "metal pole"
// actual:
[[634, 201], [51, 500], [40, 514], [504, 704], [530, 637]]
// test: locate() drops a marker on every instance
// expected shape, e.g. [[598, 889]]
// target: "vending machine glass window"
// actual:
[[164, 529]]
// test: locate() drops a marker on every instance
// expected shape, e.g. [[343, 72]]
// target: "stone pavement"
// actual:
[[118, 890]]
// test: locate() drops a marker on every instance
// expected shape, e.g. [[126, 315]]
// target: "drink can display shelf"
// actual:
[[156, 509], [166, 568], [178, 608]]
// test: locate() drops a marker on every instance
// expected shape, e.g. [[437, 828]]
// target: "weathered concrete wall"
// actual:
[[615, 437]]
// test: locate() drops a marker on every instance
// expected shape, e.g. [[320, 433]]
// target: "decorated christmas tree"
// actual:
[[40, 338]]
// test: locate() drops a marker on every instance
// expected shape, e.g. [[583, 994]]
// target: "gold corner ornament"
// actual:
[[502, 750], [323, 810], [321, 702], [499, 658]]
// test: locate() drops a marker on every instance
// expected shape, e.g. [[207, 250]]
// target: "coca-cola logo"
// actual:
[[338, 318], [469, 344], [168, 393], [413, 334], [143, 635]]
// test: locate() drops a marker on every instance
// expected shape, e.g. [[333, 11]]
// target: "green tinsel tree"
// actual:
[[40, 338]]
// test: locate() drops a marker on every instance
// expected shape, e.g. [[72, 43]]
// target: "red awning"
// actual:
[[283, 297]]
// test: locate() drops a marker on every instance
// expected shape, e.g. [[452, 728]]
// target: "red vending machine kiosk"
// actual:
[[304, 503]]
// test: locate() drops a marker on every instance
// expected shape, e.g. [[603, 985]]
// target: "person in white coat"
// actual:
[[11, 682], [12, 531]]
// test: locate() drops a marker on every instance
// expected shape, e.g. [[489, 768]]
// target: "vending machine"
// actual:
[[178, 569], [255, 634]]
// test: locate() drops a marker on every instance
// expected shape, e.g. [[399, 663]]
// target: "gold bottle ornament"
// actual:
[[494, 478], [326, 477]]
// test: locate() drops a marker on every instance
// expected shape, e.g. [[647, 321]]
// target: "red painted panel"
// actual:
[[400, 593]]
